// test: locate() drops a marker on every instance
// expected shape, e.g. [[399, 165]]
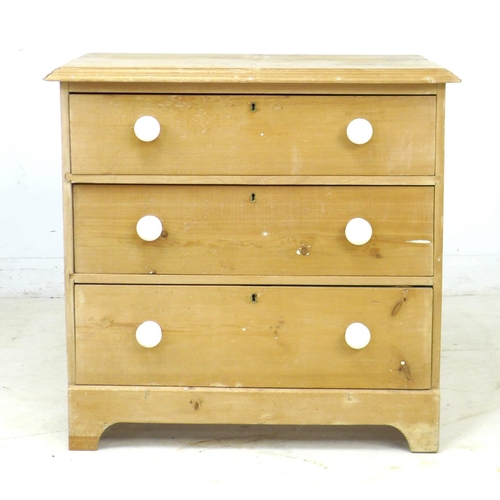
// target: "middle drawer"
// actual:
[[254, 230]]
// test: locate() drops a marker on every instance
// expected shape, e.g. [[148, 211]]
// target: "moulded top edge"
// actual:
[[232, 68]]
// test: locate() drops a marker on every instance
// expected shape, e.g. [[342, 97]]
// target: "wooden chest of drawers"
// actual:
[[253, 240]]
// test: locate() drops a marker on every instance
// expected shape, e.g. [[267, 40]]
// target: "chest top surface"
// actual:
[[233, 68]]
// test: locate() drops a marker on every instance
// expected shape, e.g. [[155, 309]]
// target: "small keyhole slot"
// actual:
[[253, 198], [253, 107], [254, 297]]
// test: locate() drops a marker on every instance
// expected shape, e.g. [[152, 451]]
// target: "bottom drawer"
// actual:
[[254, 336]]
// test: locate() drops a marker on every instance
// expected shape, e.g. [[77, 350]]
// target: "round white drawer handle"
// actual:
[[148, 334], [149, 228], [359, 131], [358, 231], [357, 335], [147, 128]]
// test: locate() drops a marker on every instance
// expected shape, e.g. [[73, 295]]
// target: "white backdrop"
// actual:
[[37, 36]]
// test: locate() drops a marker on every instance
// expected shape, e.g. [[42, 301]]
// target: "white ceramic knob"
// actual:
[[148, 334], [358, 231], [357, 335], [149, 228], [359, 131], [147, 128]]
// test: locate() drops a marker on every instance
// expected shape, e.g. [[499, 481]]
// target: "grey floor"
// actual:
[[190, 461]]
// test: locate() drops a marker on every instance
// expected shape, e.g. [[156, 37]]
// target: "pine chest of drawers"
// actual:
[[253, 240]]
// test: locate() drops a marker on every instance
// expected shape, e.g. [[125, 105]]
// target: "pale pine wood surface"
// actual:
[[69, 261], [253, 68], [288, 230], [438, 235], [241, 279], [219, 242], [251, 88], [261, 180], [94, 408], [253, 336], [220, 135]]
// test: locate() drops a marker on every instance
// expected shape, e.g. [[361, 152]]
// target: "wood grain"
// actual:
[[251, 88], [220, 135], [438, 235], [241, 279], [233, 68], [69, 262], [288, 230], [94, 408], [254, 336], [261, 180], [287, 248]]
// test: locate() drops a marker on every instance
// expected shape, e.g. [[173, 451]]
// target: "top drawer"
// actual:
[[252, 135]]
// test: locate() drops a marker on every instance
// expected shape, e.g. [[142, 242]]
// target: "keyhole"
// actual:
[[254, 297], [253, 198], [253, 107]]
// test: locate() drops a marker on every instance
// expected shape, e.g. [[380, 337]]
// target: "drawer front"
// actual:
[[254, 230], [245, 336], [252, 135]]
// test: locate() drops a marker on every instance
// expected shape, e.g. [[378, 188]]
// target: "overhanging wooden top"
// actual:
[[191, 68]]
